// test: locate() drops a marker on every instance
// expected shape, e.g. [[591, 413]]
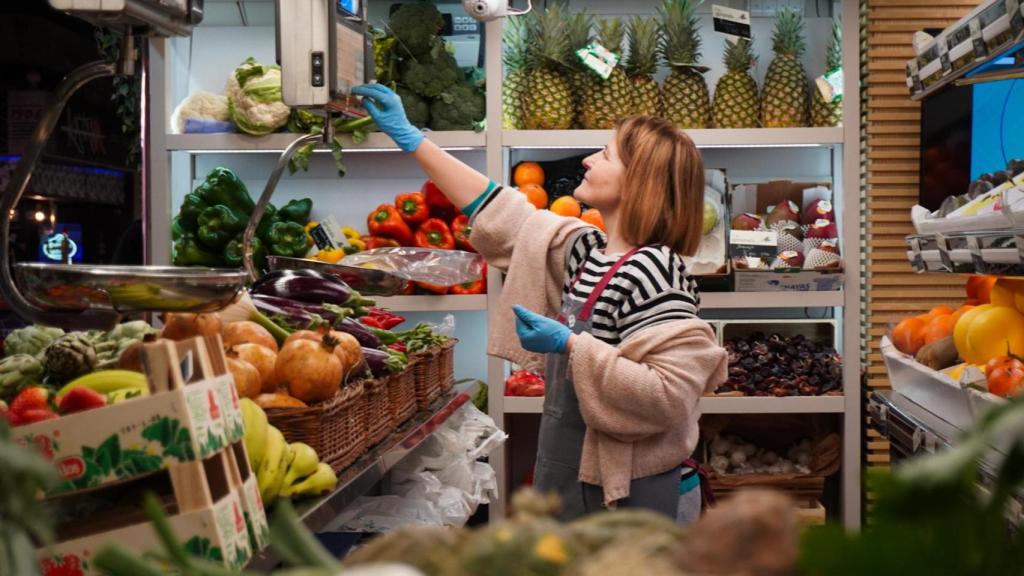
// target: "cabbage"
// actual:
[[254, 98]]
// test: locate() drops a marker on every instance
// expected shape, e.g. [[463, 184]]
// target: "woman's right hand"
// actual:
[[385, 107]]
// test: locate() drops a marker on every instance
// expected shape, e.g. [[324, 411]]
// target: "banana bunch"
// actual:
[[116, 385], [282, 469]]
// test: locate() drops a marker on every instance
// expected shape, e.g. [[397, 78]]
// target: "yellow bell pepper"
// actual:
[[350, 233], [330, 255], [987, 331], [309, 228], [355, 245]]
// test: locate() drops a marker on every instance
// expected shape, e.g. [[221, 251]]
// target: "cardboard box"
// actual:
[[757, 199], [137, 437]]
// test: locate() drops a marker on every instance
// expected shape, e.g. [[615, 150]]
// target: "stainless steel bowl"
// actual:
[[128, 288], [366, 280]]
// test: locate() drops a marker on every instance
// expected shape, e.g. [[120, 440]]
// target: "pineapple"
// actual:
[[641, 65], [516, 65], [685, 94], [737, 104], [829, 114], [784, 99], [609, 99], [580, 77], [547, 98]]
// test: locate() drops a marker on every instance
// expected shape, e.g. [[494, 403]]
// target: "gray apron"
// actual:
[[562, 429]]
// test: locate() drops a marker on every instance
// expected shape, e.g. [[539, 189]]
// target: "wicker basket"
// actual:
[[402, 393], [432, 377], [334, 428], [376, 407]]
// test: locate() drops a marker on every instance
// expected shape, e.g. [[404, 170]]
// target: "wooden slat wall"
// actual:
[[891, 131]]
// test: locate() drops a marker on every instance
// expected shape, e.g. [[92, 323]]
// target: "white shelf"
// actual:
[[447, 303], [722, 300], [722, 405], [277, 142], [704, 138]]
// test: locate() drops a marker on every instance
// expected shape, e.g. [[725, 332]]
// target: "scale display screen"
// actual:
[[63, 237]]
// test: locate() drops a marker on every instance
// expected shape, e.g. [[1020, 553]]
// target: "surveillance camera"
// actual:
[[487, 10]]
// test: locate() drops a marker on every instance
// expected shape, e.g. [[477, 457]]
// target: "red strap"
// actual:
[[605, 280]]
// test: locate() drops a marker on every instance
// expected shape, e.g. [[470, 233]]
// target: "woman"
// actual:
[[627, 359]]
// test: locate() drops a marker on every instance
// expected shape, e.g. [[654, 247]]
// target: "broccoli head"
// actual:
[[431, 74], [459, 108], [417, 25], [416, 109]]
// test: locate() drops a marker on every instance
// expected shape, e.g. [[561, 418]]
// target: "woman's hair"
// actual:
[[663, 187]]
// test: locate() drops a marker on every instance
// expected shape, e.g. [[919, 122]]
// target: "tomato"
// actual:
[[1005, 376], [524, 383]]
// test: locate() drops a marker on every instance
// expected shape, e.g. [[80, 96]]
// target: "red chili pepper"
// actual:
[[399, 347], [412, 207], [439, 205], [475, 287], [373, 322], [387, 222], [387, 320], [373, 242], [461, 230], [434, 233], [432, 288]]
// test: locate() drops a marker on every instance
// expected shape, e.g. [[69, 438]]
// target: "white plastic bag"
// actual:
[[433, 266], [385, 513]]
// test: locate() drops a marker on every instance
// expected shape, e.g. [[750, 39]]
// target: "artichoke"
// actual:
[[31, 340], [68, 357], [17, 372]]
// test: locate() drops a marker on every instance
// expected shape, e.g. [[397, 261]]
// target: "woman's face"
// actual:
[[602, 184]]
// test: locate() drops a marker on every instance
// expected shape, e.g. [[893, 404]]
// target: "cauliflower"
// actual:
[[432, 74], [416, 25], [254, 98], [200, 106], [461, 107], [416, 108]]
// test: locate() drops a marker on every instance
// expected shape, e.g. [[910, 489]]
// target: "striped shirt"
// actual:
[[650, 288]]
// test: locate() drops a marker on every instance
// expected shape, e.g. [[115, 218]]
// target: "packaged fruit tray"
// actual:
[[190, 414]]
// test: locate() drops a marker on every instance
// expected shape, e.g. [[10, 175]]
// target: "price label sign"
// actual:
[[730, 21], [753, 243], [327, 235]]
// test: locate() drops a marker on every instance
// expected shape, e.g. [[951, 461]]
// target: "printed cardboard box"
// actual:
[[137, 437]]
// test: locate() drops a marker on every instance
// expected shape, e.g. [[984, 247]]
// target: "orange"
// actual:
[[566, 206], [528, 173], [938, 328], [980, 288], [593, 217], [961, 311], [535, 195], [939, 311], [908, 335]]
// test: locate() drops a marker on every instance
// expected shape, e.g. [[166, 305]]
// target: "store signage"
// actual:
[[730, 21], [753, 243], [599, 59], [326, 235]]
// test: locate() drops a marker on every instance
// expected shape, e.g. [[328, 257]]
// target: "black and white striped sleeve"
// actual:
[[660, 290], [579, 250]]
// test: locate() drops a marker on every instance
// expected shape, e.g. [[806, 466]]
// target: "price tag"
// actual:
[[977, 40], [730, 21], [947, 66], [831, 85], [599, 59], [327, 234], [753, 243]]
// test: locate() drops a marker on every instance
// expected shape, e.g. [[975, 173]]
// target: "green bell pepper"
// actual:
[[218, 225], [233, 253], [176, 229], [223, 188], [296, 211], [191, 208], [288, 239], [269, 219], [189, 252]]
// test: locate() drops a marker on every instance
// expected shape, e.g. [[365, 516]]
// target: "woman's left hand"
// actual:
[[540, 334]]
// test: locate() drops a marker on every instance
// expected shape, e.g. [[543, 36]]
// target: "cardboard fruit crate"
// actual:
[[190, 413], [215, 507]]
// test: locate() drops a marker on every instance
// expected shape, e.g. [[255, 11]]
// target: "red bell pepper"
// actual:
[[432, 288], [410, 289], [438, 203], [380, 318], [412, 207], [399, 347], [524, 383], [475, 287], [461, 230], [387, 222], [434, 233], [373, 242]]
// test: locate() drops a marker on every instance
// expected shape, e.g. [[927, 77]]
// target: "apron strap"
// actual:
[[588, 307]]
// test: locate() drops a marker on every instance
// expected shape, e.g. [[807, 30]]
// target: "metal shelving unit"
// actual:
[[174, 154]]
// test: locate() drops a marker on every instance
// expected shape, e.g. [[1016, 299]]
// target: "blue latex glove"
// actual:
[[386, 109], [540, 334]]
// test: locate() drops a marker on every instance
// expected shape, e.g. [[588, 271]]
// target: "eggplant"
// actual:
[[305, 286], [296, 318], [288, 303], [383, 363], [366, 338]]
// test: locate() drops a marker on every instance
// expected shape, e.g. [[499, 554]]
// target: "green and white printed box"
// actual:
[[133, 438]]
